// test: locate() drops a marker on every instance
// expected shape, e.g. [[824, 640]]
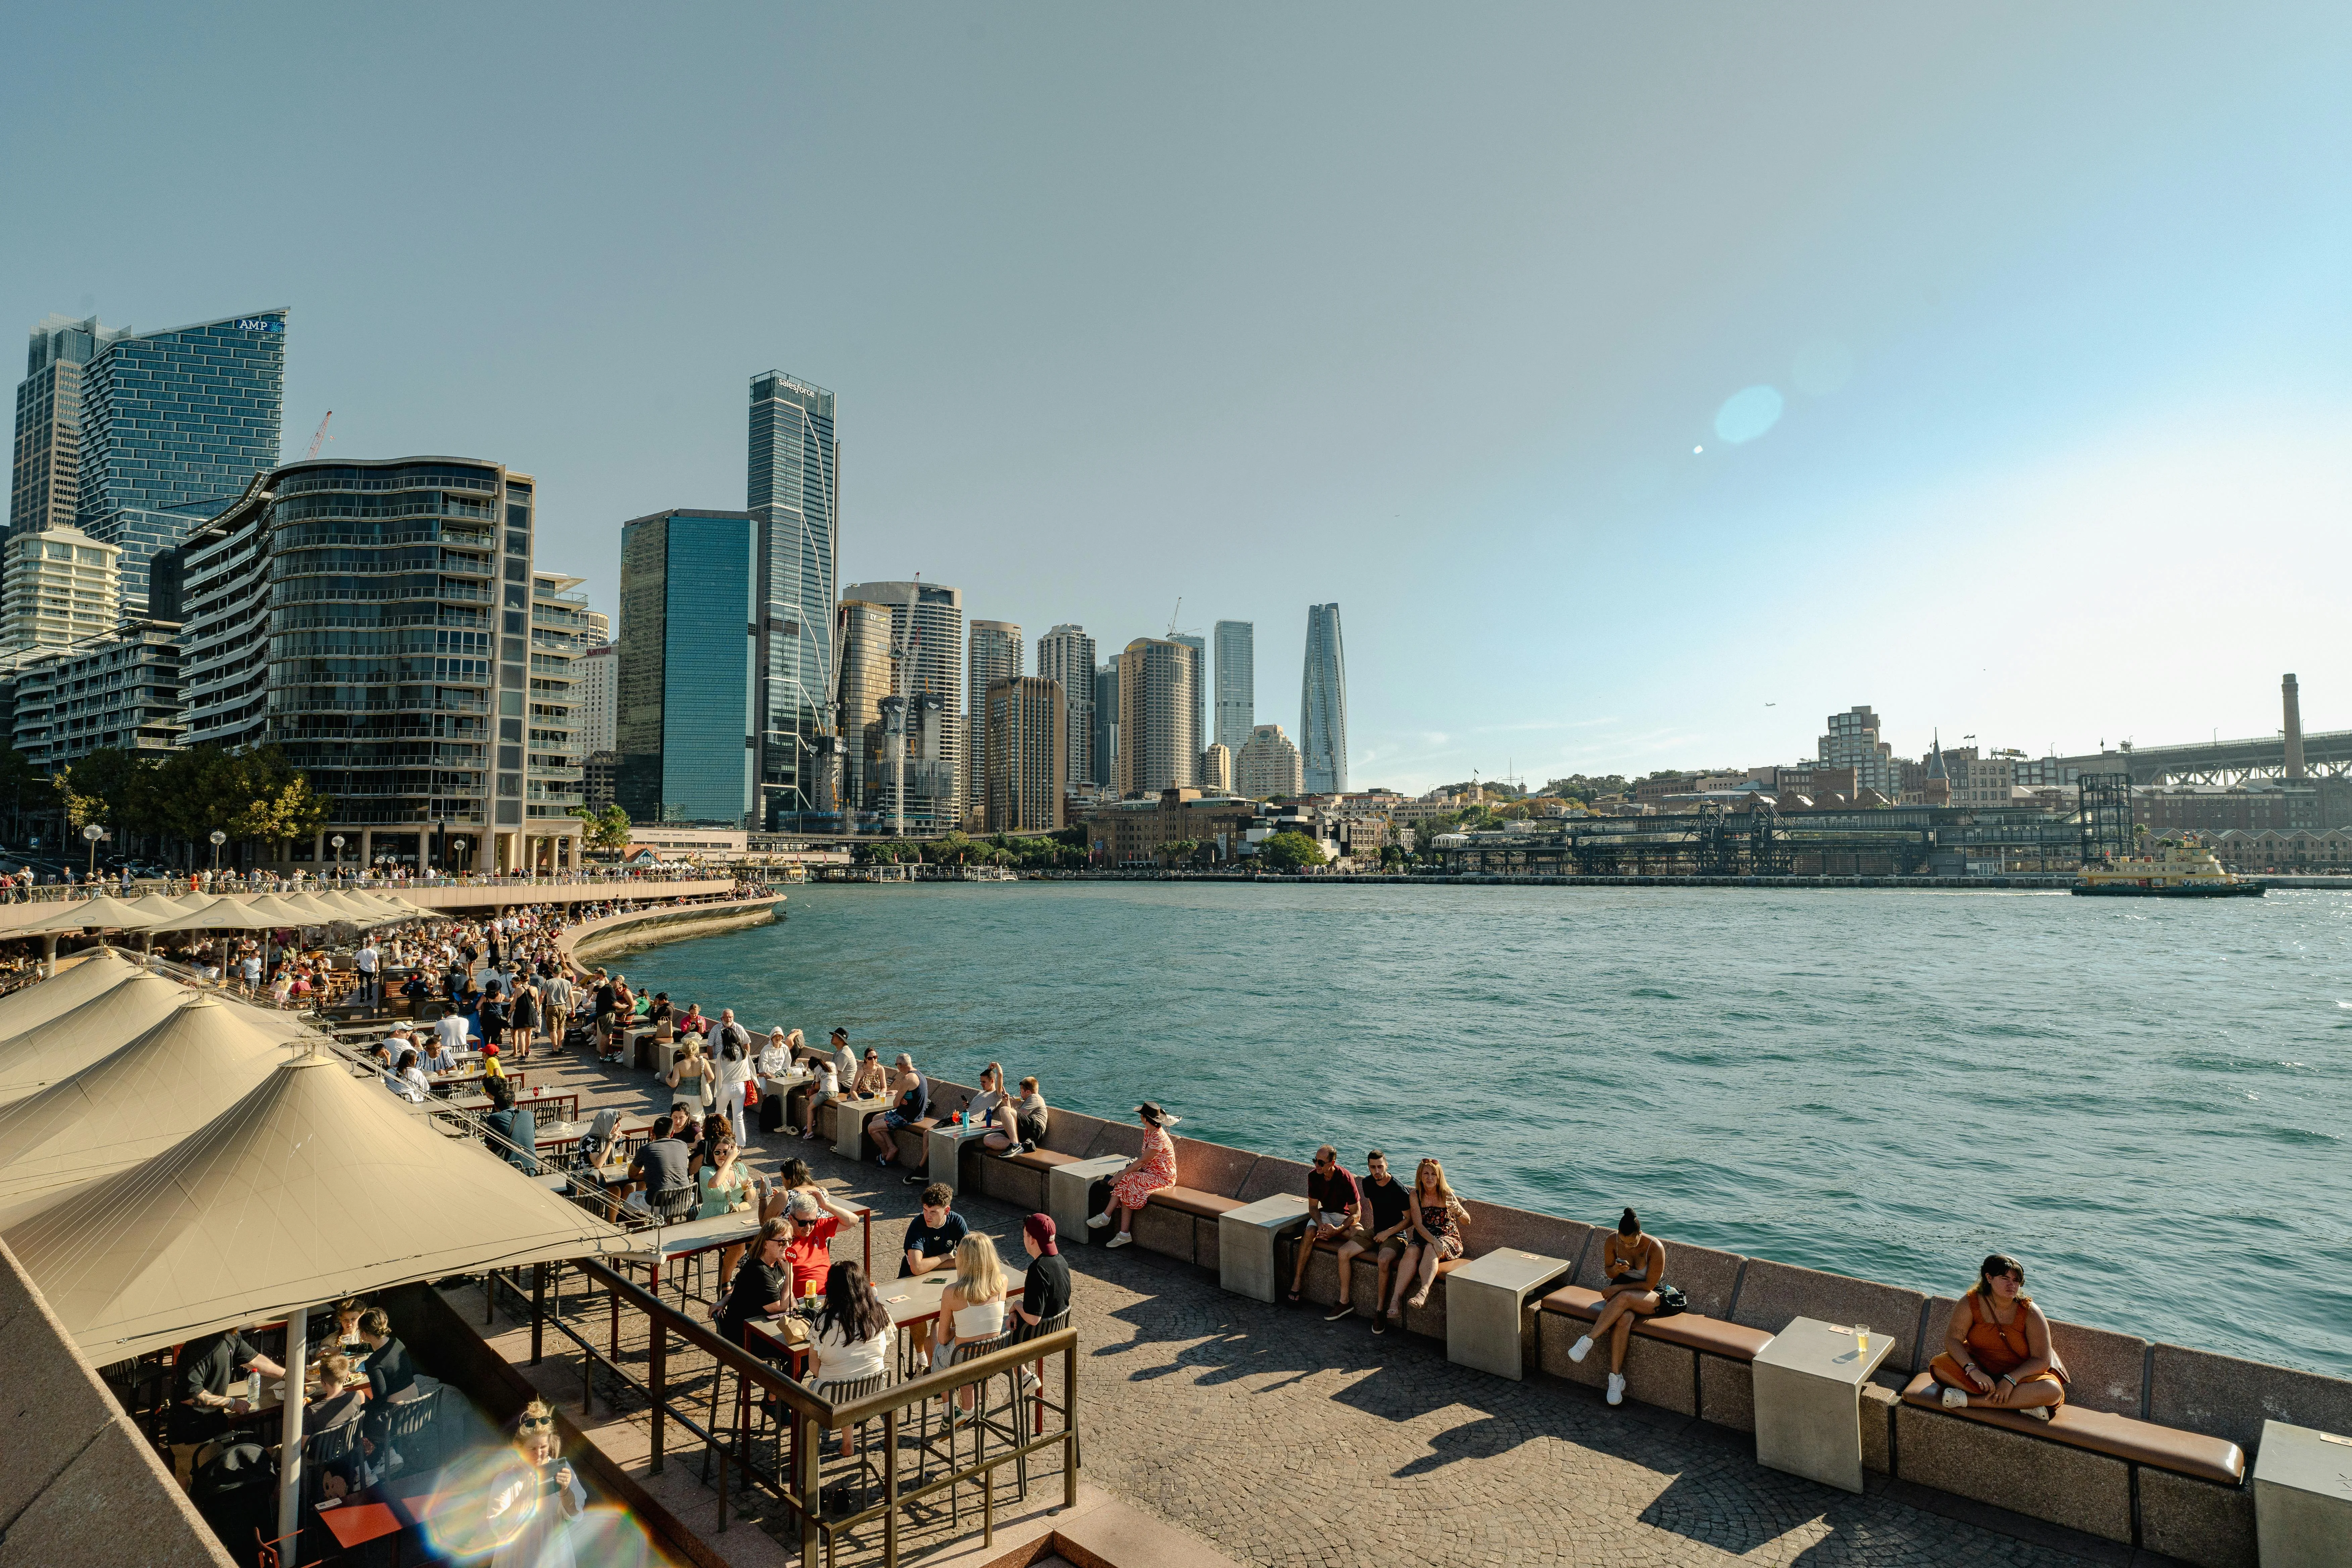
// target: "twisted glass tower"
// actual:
[[1323, 703], [794, 497]]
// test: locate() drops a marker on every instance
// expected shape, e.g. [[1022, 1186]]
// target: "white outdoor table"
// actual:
[[849, 1118], [2302, 1498], [1065, 1194], [943, 1149], [1249, 1244], [1487, 1324], [1809, 1383]]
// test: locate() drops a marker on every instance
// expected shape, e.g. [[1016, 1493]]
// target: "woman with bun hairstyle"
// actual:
[[1634, 1264]]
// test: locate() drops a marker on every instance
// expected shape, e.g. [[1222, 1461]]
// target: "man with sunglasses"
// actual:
[[1333, 1204]]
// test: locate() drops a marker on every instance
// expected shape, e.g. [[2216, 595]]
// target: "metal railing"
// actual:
[[678, 1353]]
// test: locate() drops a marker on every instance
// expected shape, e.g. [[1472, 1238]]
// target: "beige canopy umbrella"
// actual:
[[353, 907], [315, 1186], [163, 907], [131, 1103], [71, 1041], [268, 912], [222, 913], [101, 913], [315, 911], [88, 976]]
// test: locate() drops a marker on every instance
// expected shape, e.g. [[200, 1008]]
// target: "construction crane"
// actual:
[[318, 437]]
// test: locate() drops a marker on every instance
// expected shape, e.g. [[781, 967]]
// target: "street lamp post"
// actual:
[[337, 842], [92, 834], [219, 838]]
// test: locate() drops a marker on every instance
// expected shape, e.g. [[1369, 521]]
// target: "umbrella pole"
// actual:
[[49, 957], [290, 1448]]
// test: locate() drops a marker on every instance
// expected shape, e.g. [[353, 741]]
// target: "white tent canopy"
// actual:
[[76, 982], [314, 1186], [222, 913], [71, 1041], [102, 913], [131, 1103]]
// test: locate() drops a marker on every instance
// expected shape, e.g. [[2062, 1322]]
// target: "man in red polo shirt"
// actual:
[[815, 1215]]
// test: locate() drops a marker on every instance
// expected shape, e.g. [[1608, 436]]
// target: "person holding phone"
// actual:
[[542, 1496]]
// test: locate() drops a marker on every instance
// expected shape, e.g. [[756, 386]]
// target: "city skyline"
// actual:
[[1868, 325]]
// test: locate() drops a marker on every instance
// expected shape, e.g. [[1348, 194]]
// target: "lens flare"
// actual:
[[611, 1537], [1748, 414], [484, 1502]]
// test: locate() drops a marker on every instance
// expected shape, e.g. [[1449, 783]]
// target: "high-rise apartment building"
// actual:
[[869, 675], [174, 424], [926, 621], [1158, 706], [596, 695], [382, 623], [1236, 680], [1217, 770], [1323, 704], [119, 691], [554, 746], [1025, 754], [793, 495], [58, 586], [1268, 765], [690, 674], [45, 488], [994, 654], [1066, 655], [1106, 725], [1853, 743], [596, 626], [1200, 646]]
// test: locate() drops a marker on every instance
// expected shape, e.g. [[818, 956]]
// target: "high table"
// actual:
[[849, 1117], [1809, 1383], [1487, 1324], [943, 1149], [1249, 1244], [2303, 1497], [1067, 1187]]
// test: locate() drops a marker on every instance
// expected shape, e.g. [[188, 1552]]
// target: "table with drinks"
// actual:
[[1808, 1382]]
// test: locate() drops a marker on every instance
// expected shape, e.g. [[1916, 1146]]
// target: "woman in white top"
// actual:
[[736, 1065], [972, 1305], [534, 1500], [776, 1055], [853, 1337]]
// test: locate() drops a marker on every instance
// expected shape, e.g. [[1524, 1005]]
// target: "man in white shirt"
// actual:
[[450, 1030], [251, 969], [368, 962]]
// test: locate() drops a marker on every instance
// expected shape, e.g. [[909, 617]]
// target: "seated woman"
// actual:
[[1145, 1174], [1633, 1264], [1997, 1352], [971, 1307], [1434, 1234], [723, 1187], [852, 1342]]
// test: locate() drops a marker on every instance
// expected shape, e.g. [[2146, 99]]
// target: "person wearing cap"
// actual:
[[1145, 1174], [914, 1100], [1048, 1288]]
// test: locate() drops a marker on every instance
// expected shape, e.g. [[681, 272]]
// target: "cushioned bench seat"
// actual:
[[1015, 1179], [2191, 1454], [1193, 1202], [1709, 1336]]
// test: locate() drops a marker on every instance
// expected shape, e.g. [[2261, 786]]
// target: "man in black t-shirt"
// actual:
[[931, 1239], [1381, 1222], [1047, 1291], [200, 1392], [1332, 1206]]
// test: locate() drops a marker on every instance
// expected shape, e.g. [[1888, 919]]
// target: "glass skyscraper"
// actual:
[[691, 673], [792, 497], [1323, 703], [45, 489], [1236, 684], [173, 425]]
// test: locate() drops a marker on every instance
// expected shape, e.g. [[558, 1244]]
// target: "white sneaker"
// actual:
[[1955, 1399], [1099, 1220], [1121, 1240], [1616, 1388], [1581, 1349], [2039, 1412]]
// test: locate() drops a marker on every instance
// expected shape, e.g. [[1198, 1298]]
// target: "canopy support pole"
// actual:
[[49, 957], [290, 1451]]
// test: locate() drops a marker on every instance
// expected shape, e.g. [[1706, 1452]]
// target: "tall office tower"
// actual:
[[1268, 765], [1323, 704], [1200, 646], [933, 645], [1217, 769], [61, 586], [994, 654], [596, 692], [408, 695], [45, 490], [1237, 683], [1066, 655], [1025, 754], [690, 681], [793, 495], [554, 740], [1853, 743], [862, 643], [1158, 705], [1106, 725], [174, 425]]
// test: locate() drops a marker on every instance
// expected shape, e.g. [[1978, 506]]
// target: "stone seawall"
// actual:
[[584, 946]]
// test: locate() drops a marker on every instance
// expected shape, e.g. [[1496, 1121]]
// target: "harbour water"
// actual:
[[2150, 1101]]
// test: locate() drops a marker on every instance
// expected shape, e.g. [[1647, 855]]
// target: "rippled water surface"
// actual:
[[2149, 1101]]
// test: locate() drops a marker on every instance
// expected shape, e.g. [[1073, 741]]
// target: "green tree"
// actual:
[[1290, 851], [609, 828]]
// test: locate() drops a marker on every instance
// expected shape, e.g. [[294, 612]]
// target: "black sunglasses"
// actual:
[[531, 1421]]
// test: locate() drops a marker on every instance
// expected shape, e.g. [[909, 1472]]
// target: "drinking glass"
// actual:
[[1862, 1338]]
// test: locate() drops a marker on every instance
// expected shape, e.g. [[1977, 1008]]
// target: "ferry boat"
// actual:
[[2180, 868]]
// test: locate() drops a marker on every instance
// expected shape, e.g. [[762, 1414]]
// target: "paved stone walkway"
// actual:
[[1289, 1441]]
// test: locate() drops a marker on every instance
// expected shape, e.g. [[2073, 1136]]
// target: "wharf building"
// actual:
[[174, 424], [382, 623], [690, 676], [1236, 682], [793, 499], [927, 640], [1025, 754], [1268, 765], [1130, 832], [993, 654], [60, 587], [1066, 655], [1323, 703], [45, 484], [1158, 712]]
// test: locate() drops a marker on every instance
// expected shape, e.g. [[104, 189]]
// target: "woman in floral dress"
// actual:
[[1148, 1172]]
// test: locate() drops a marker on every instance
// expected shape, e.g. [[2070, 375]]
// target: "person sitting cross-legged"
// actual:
[[1997, 1352]]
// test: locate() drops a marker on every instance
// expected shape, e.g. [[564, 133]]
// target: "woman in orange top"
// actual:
[[1996, 1350]]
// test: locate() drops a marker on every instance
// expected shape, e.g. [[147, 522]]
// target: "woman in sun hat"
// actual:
[[1148, 1172]]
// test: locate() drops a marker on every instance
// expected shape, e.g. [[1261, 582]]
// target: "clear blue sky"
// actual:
[[1424, 310]]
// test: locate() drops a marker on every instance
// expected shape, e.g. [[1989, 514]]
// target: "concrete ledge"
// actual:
[[2223, 1396], [2196, 1522], [1655, 1373], [1727, 1394], [2045, 1481], [583, 945], [1878, 1403]]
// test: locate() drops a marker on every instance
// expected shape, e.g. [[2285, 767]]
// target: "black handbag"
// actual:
[[1669, 1301]]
